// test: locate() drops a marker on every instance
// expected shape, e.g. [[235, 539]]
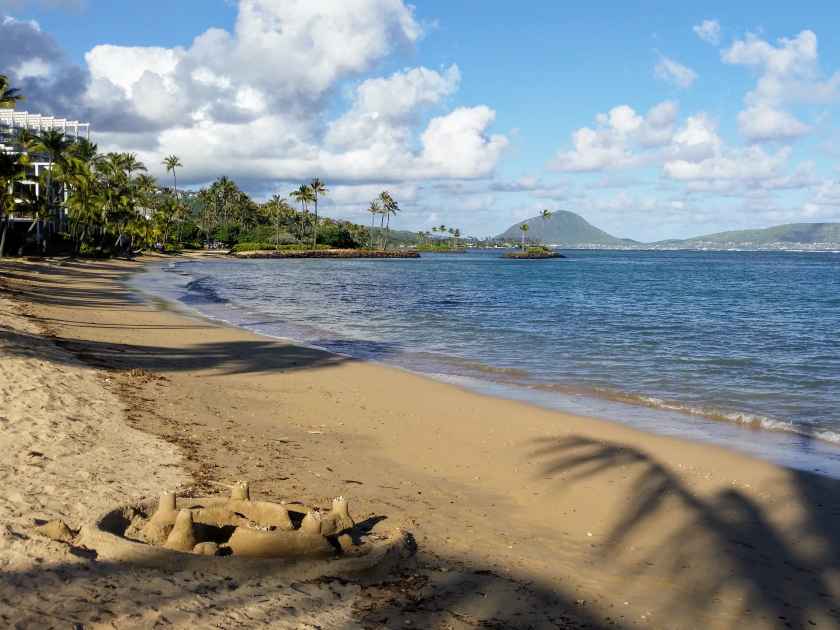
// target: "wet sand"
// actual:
[[523, 517]]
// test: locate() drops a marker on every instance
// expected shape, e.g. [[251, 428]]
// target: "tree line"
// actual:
[[88, 202]]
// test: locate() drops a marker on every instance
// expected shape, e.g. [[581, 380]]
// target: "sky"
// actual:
[[652, 120]]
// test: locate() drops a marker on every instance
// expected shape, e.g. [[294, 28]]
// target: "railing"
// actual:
[[13, 119]]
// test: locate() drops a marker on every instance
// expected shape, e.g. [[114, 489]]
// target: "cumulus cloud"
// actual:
[[612, 143], [789, 74], [789, 71], [258, 102], [674, 72], [708, 31], [763, 122], [751, 163]]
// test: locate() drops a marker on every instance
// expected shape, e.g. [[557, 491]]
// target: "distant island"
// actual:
[[567, 229]]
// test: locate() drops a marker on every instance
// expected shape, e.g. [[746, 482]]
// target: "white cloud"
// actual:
[[696, 140], [400, 94], [255, 102], [751, 163], [611, 144], [674, 72], [125, 66], [458, 144], [789, 74], [33, 68], [708, 31], [763, 122]]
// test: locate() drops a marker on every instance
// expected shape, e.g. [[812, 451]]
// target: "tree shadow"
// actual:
[[227, 357], [431, 592], [787, 573]]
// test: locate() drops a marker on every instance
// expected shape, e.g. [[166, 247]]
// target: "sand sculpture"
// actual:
[[241, 527], [236, 536]]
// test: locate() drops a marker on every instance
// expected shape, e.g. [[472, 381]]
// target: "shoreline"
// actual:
[[775, 441], [599, 516]]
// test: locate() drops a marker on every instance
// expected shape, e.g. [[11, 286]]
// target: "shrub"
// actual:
[[294, 247]]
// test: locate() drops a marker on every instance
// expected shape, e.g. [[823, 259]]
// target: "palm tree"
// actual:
[[389, 207], [55, 144], [546, 215], [172, 162], [130, 163], [317, 187], [524, 229], [303, 195], [9, 96], [11, 171], [374, 208], [277, 208]]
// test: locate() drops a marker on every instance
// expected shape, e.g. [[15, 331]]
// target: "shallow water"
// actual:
[[734, 347]]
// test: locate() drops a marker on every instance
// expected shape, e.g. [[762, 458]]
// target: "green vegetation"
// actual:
[[89, 203], [450, 243], [9, 96], [259, 247], [524, 229]]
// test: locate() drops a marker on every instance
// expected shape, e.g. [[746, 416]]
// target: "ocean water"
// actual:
[[739, 348]]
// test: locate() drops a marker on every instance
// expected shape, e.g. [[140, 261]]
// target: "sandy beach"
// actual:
[[523, 517]]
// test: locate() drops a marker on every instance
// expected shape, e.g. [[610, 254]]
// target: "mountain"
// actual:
[[564, 228], [780, 235]]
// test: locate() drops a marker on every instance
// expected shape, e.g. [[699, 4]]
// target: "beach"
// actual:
[[523, 517]]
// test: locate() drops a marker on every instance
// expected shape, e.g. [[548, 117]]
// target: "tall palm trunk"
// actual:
[[3, 236], [382, 231], [315, 225], [372, 219]]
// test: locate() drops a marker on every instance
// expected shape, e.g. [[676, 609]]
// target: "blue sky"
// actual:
[[652, 120]]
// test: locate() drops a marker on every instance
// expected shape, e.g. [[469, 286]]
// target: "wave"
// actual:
[[515, 374], [748, 420], [200, 291]]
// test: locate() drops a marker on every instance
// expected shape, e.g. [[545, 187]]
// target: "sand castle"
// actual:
[[242, 527], [236, 536]]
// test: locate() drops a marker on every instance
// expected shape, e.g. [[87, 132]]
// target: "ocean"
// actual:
[[736, 348]]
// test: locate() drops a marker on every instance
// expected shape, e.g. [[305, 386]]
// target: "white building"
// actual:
[[12, 122]]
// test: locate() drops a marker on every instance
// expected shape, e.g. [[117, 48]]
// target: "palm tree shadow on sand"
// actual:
[[785, 576]]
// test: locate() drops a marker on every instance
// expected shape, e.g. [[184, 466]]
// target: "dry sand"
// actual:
[[524, 517]]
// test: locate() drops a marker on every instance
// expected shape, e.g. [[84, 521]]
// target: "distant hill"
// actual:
[[564, 228], [799, 233]]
